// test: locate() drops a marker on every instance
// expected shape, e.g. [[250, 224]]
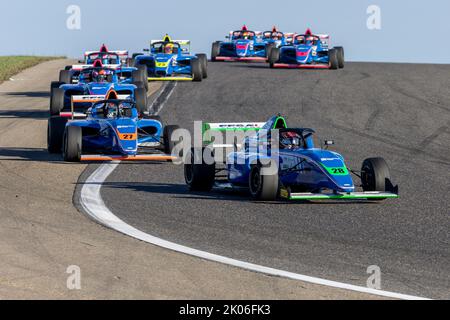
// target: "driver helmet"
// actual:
[[246, 35], [290, 140], [112, 111], [99, 76], [168, 49]]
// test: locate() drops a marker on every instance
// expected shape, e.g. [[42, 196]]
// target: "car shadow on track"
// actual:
[[30, 94], [181, 191], [27, 114], [28, 154]]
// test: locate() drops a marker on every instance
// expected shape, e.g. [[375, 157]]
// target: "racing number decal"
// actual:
[[338, 171], [127, 136]]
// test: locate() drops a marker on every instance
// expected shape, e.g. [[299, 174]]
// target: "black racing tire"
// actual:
[[204, 63], [169, 145], [139, 84], [215, 51], [134, 55], [56, 101], [333, 59], [375, 175], [144, 74], [55, 134], [137, 79], [274, 56], [140, 95], [199, 176], [67, 68], [263, 186], [196, 70], [269, 48], [65, 76], [73, 144], [54, 85], [340, 56]]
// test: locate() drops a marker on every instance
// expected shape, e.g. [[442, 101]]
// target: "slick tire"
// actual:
[[375, 175], [55, 134], [65, 76], [196, 70], [72, 144], [199, 174], [215, 51], [333, 59], [169, 145], [204, 64], [274, 56], [140, 95], [340, 56], [144, 75], [56, 101], [263, 183]]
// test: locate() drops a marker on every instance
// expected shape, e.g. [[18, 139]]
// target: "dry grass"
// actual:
[[12, 65]]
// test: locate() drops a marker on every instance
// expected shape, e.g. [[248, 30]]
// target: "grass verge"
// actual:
[[11, 65]]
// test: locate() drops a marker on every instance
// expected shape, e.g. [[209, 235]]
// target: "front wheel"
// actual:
[[204, 63], [215, 51], [264, 182], [140, 95], [333, 59], [73, 144], [375, 175], [274, 56], [196, 70], [340, 57], [56, 101], [169, 144]]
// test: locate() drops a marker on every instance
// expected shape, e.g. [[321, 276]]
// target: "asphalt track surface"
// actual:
[[397, 111]]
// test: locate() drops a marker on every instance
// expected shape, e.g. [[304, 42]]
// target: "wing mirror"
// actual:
[[328, 143]]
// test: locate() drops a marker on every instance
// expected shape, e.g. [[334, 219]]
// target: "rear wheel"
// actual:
[[56, 101], [204, 64], [55, 134], [263, 183], [169, 145], [269, 48], [65, 76], [72, 144], [215, 51], [340, 57], [196, 70], [333, 59], [375, 175], [140, 95], [137, 77], [274, 56], [199, 175]]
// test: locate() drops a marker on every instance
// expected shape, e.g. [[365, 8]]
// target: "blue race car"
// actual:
[[114, 131], [274, 37], [170, 60], [282, 162], [242, 45], [93, 85], [117, 60], [308, 51]]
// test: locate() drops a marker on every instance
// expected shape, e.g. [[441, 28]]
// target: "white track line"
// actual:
[[92, 203]]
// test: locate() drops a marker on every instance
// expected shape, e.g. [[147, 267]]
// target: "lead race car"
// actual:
[[242, 45], [113, 131], [308, 51], [282, 162], [170, 60]]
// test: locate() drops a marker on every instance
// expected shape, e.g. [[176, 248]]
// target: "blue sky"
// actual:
[[411, 31]]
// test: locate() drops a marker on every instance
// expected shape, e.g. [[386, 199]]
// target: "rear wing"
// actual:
[[79, 67], [209, 131]]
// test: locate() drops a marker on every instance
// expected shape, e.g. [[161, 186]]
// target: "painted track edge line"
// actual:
[[92, 203]]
